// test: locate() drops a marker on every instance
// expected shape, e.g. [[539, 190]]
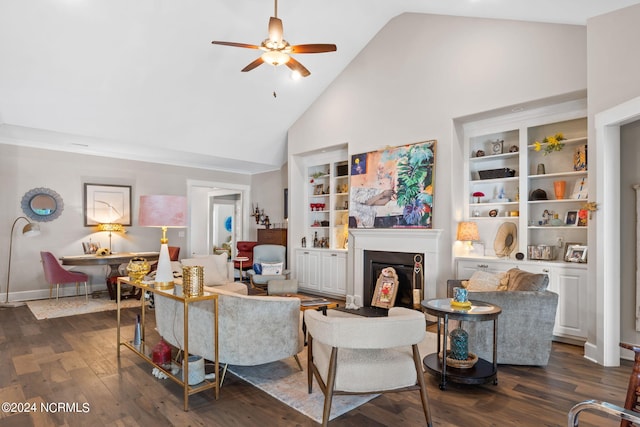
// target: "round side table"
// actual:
[[436, 363], [241, 259]]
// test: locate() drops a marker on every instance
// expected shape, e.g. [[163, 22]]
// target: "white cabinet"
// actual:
[[570, 285], [308, 269], [568, 280], [322, 271], [466, 268], [334, 273]]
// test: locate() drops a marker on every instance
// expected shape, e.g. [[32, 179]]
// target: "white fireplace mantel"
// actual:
[[425, 241]]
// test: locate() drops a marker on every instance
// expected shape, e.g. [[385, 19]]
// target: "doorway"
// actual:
[[210, 205], [607, 236]]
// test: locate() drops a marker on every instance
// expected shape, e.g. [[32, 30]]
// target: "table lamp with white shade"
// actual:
[[164, 212]]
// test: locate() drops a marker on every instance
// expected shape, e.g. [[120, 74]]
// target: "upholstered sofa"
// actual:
[[525, 326], [252, 330]]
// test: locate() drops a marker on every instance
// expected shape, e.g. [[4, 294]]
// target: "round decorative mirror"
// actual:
[[42, 204]]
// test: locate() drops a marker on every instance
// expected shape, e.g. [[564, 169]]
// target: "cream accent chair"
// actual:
[[364, 355]]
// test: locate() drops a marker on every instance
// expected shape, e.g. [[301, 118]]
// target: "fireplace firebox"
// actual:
[[403, 263]]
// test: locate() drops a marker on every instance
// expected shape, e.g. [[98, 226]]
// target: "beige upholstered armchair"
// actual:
[[252, 330], [362, 355]]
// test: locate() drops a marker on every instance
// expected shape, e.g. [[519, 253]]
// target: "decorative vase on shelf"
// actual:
[[559, 188]]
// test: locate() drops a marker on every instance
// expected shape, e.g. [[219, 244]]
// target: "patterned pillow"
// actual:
[[484, 281], [271, 269]]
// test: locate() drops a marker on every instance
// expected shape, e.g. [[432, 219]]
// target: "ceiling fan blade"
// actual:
[[245, 45], [296, 66], [275, 29], [313, 48], [253, 65]]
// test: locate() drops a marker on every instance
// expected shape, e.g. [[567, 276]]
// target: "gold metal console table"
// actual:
[[144, 350]]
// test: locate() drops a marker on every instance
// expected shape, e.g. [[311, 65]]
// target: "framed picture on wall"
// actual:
[[105, 203]]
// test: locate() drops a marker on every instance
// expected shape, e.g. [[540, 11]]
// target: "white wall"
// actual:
[[267, 191], [22, 169], [629, 176], [421, 72], [613, 79]]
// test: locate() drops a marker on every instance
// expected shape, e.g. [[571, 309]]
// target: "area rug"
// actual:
[[284, 381], [71, 306]]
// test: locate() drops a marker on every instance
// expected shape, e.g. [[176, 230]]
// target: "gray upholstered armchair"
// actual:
[[525, 326], [270, 260]]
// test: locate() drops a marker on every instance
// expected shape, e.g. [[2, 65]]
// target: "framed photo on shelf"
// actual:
[[317, 190], [576, 253], [583, 218], [567, 245], [386, 290], [571, 218]]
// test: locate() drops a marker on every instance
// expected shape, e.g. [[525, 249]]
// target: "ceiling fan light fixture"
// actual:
[[275, 57]]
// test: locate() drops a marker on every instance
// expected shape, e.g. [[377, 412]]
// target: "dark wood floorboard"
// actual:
[[73, 360]]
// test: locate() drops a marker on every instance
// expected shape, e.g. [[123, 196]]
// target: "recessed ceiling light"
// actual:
[[295, 75]]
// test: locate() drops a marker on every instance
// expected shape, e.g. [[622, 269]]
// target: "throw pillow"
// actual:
[[270, 269], [520, 280], [257, 268], [484, 281], [215, 268]]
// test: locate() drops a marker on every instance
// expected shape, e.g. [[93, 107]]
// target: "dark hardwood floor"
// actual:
[[73, 360]]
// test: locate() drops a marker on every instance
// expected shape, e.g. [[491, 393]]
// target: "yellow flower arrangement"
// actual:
[[550, 143]]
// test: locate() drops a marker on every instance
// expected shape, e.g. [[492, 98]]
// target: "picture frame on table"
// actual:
[[107, 203], [571, 218], [576, 253], [386, 290]]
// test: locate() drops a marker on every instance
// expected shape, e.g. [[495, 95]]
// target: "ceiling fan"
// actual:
[[277, 51]]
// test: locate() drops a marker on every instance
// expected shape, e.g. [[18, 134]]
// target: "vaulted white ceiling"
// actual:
[[141, 79]]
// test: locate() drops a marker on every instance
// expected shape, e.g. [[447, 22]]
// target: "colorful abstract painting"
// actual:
[[393, 188]]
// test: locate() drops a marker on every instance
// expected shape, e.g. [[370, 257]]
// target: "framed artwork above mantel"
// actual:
[[107, 203], [393, 187]]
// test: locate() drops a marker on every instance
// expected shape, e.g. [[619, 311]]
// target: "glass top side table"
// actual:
[[436, 363]]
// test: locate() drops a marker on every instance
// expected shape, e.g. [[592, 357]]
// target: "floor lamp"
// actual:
[[30, 229], [164, 212]]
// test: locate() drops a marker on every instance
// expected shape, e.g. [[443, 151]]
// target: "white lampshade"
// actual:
[[164, 212]]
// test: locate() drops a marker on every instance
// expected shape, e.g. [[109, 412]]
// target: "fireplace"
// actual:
[[407, 241], [402, 262]]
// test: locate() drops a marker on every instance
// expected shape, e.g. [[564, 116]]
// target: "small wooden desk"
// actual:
[[113, 261]]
